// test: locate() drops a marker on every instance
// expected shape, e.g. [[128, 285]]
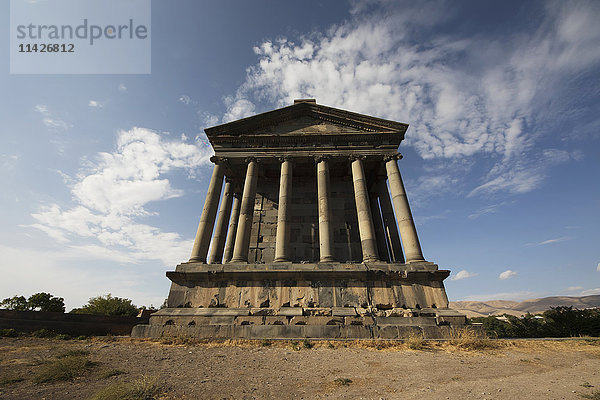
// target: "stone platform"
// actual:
[[311, 300]]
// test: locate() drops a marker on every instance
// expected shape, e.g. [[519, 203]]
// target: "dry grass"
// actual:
[[595, 395], [111, 372], [145, 388], [415, 341], [63, 369], [472, 340], [342, 381]]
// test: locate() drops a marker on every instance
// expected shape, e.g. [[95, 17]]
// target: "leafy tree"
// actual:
[[108, 305], [17, 303], [37, 302], [46, 302]]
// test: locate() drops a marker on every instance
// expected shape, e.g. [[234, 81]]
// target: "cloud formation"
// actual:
[[51, 121], [463, 95], [506, 275], [112, 193], [94, 103], [462, 274]]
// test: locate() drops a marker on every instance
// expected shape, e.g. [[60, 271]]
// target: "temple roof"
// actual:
[[306, 117]]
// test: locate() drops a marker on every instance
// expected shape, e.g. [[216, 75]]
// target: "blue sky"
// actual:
[[104, 176]]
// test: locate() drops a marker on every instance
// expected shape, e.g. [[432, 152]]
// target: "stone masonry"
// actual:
[[306, 231]]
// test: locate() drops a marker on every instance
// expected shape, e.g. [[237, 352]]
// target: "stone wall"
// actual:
[[72, 324]]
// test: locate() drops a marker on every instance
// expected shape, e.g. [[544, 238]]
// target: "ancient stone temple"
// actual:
[[306, 231]]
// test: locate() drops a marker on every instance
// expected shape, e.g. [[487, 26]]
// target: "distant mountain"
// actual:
[[499, 307]]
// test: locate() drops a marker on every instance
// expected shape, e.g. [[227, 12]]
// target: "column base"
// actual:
[[198, 260], [327, 259], [281, 259], [371, 259]]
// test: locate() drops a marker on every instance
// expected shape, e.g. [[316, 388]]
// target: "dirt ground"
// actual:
[[286, 370]]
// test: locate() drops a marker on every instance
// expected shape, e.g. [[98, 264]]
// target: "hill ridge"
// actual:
[[499, 307]]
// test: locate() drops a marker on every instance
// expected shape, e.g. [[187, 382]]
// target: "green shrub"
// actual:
[[556, 322], [44, 333], [10, 332], [108, 305], [36, 302]]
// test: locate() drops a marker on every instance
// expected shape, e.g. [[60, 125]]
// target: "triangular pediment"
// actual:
[[307, 119], [307, 125]]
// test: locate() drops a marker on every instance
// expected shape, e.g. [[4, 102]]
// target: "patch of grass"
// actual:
[[295, 345], [470, 339], [266, 343], [10, 332], [145, 388], [180, 339], [342, 381], [74, 352], [307, 344], [63, 336], [415, 341], [10, 379], [44, 333], [595, 395], [111, 372], [63, 369], [330, 345]]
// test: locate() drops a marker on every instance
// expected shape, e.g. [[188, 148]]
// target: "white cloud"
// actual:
[[590, 292], [122, 87], [94, 103], [506, 274], [462, 95], [560, 239], [491, 209], [598, 267], [49, 120], [573, 288], [185, 99], [462, 274], [112, 192], [551, 241]]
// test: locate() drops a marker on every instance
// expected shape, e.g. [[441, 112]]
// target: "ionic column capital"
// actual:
[[218, 160], [321, 157], [248, 160], [354, 157], [285, 158], [391, 157]]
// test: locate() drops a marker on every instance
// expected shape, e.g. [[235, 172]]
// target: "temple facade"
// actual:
[[306, 231]]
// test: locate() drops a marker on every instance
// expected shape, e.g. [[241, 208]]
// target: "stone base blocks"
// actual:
[[321, 300]]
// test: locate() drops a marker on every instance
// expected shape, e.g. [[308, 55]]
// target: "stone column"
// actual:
[[406, 225], [209, 212], [242, 237], [218, 242], [363, 210], [382, 246], [282, 241], [323, 189], [233, 222], [389, 221]]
